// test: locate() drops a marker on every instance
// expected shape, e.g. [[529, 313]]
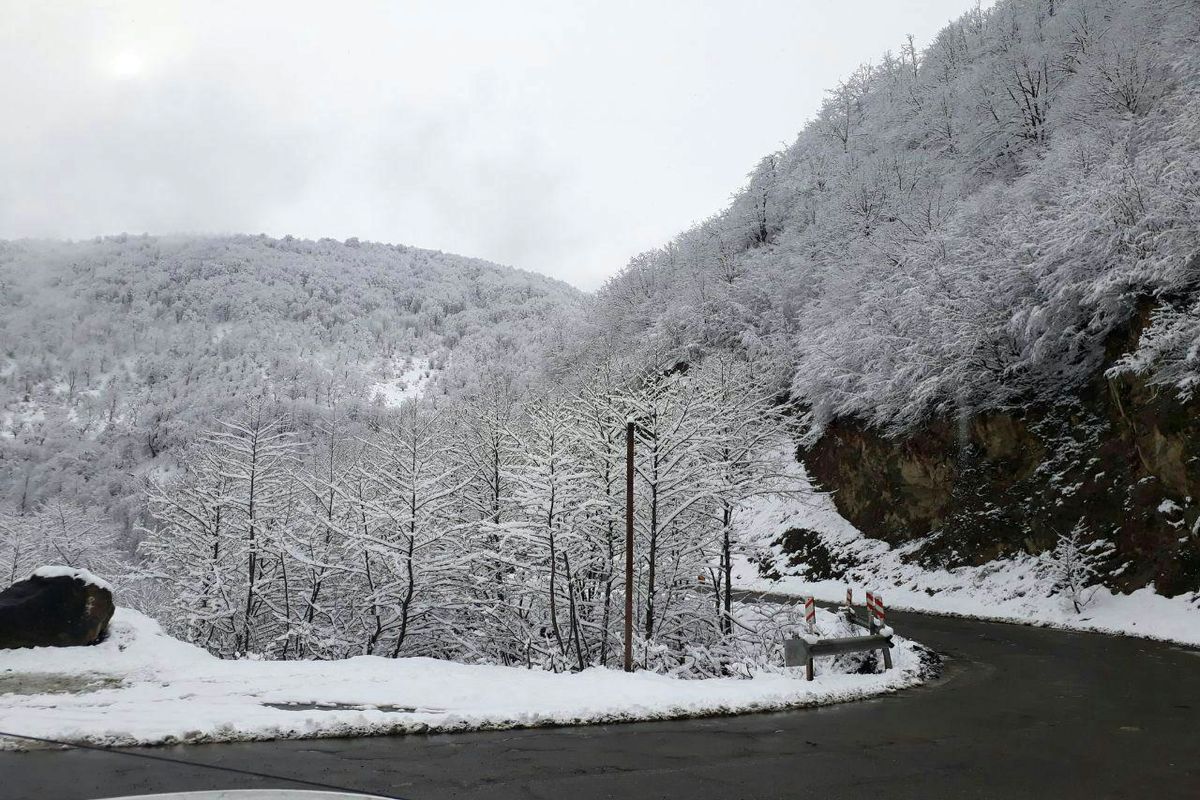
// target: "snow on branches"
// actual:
[[486, 529], [960, 228], [1073, 566]]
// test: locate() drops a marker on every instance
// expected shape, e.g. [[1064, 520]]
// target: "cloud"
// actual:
[[561, 137]]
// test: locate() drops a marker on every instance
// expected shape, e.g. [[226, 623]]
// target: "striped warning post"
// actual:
[[879, 623], [810, 614], [871, 611], [879, 613]]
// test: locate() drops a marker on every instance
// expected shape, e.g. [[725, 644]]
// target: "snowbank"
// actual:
[[141, 686], [1008, 590]]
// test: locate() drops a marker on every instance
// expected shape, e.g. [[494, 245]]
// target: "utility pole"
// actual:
[[629, 546]]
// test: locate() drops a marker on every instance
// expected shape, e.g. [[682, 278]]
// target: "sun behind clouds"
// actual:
[[127, 64]]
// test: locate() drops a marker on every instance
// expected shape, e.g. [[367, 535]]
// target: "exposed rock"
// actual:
[[806, 548], [1119, 455], [55, 607]]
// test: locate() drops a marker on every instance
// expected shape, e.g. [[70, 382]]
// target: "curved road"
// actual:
[[1019, 712]]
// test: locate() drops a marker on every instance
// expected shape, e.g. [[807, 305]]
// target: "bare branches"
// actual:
[[488, 530]]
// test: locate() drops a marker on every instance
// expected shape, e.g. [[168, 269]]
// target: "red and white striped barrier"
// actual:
[[800, 650], [879, 613]]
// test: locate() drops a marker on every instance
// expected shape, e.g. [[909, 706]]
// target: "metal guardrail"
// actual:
[[799, 651]]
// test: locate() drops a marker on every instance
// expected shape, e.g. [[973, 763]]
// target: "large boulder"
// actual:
[[55, 607]]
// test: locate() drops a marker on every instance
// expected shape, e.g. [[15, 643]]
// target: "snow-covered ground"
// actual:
[[1011, 590], [408, 385], [141, 686]]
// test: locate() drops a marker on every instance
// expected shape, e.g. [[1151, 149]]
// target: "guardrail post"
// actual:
[[802, 649], [881, 615], [799, 651]]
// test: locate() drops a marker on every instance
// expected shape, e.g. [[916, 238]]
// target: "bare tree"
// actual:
[[1073, 567]]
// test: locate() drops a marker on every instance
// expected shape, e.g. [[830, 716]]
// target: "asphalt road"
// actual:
[[1019, 712]]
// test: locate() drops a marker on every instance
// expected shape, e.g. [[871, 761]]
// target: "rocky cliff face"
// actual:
[[1121, 457]]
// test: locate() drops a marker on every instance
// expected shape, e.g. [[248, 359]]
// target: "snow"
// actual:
[[140, 686], [1011, 590], [409, 385], [1168, 506], [58, 571]]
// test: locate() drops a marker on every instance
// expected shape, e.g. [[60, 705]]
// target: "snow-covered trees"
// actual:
[[411, 528], [194, 551], [325, 542], [543, 532], [959, 228], [484, 529], [56, 532], [1073, 566], [1170, 347], [117, 353], [256, 456], [221, 541], [747, 428], [674, 484], [599, 421]]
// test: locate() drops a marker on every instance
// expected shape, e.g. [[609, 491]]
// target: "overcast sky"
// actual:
[[560, 136]]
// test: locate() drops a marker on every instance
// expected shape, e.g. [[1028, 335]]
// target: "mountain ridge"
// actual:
[[116, 350]]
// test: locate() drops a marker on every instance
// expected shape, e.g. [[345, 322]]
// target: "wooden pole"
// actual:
[[629, 546]]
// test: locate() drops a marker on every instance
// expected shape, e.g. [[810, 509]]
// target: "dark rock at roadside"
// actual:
[[54, 611]]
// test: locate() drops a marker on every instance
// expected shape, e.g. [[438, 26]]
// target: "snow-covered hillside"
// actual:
[[958, 227], [116, 352], [976, 266]]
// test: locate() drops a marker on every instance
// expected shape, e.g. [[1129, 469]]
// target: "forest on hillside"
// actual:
[[959, 227], [116, 353]]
